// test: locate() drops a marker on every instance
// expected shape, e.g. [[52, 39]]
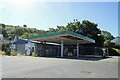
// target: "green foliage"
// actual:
[[52, 30], [100, 41], [19, 31], [9, 31], [6, 48], [24, 25], [13, 53], [2, 53], [107, 43], [3, 47], [113, 52], [89, 29], [3, 26], [117, 46], [85, 27], [117, 50], [107, 35], [27, 35], [4, 32], [61, 28], [8, 51], [34, 54]]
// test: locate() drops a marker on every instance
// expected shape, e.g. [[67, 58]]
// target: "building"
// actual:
[[23, 46], [116, 40], [68, 44], [57, 44]]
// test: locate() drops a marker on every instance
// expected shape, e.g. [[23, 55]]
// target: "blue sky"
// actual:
[[45, 15]]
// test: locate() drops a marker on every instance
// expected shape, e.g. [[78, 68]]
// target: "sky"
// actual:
[[45, 15]]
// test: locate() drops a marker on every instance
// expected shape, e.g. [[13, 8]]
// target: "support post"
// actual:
[[62, 47], [58, 51], [77, 49], [95, 52]]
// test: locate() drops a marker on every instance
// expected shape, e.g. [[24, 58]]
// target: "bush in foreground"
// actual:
[[114, 52], [14, 53], [2, 53]]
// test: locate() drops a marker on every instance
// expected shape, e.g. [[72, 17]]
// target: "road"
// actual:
[[42, 67]]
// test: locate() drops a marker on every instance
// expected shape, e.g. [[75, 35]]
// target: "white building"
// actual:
[[24, 46], [116, 40]]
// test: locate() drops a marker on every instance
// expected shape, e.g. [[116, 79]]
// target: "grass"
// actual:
[[117, 50], [2, 53]]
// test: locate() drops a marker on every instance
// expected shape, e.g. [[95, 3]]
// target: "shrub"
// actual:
[[14, 53], [34, 54], [107, 43], [113, 52], [8, 51], [117, 50], [117, 46], [3, 47]]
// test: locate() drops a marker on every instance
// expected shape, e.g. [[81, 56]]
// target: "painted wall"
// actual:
[[30, 47], [24, 49], [21, 49]]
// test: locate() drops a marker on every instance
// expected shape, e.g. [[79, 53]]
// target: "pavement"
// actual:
[[44, 67]]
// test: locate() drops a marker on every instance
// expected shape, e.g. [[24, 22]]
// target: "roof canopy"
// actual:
[[69, 38]]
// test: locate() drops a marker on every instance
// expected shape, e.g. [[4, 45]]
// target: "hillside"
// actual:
[[85, 27], [21, 31]]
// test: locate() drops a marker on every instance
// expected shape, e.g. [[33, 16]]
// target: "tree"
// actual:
[[107, 35], [71, 27], [52, 30], [24, 25], [3, 47], [85, 28], [89, 29], [107, 43], [3, 26], [4, 32], [60, 28], [27, 35], [100, 41]]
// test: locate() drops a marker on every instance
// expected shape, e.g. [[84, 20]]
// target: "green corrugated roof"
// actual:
[[61, 33]]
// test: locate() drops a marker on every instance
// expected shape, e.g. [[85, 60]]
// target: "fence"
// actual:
[[85, 51], [50, 50], [93, 51]]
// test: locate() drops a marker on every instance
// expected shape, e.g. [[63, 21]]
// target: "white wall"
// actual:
[[29, 45], [116, 40], [1, 37]]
